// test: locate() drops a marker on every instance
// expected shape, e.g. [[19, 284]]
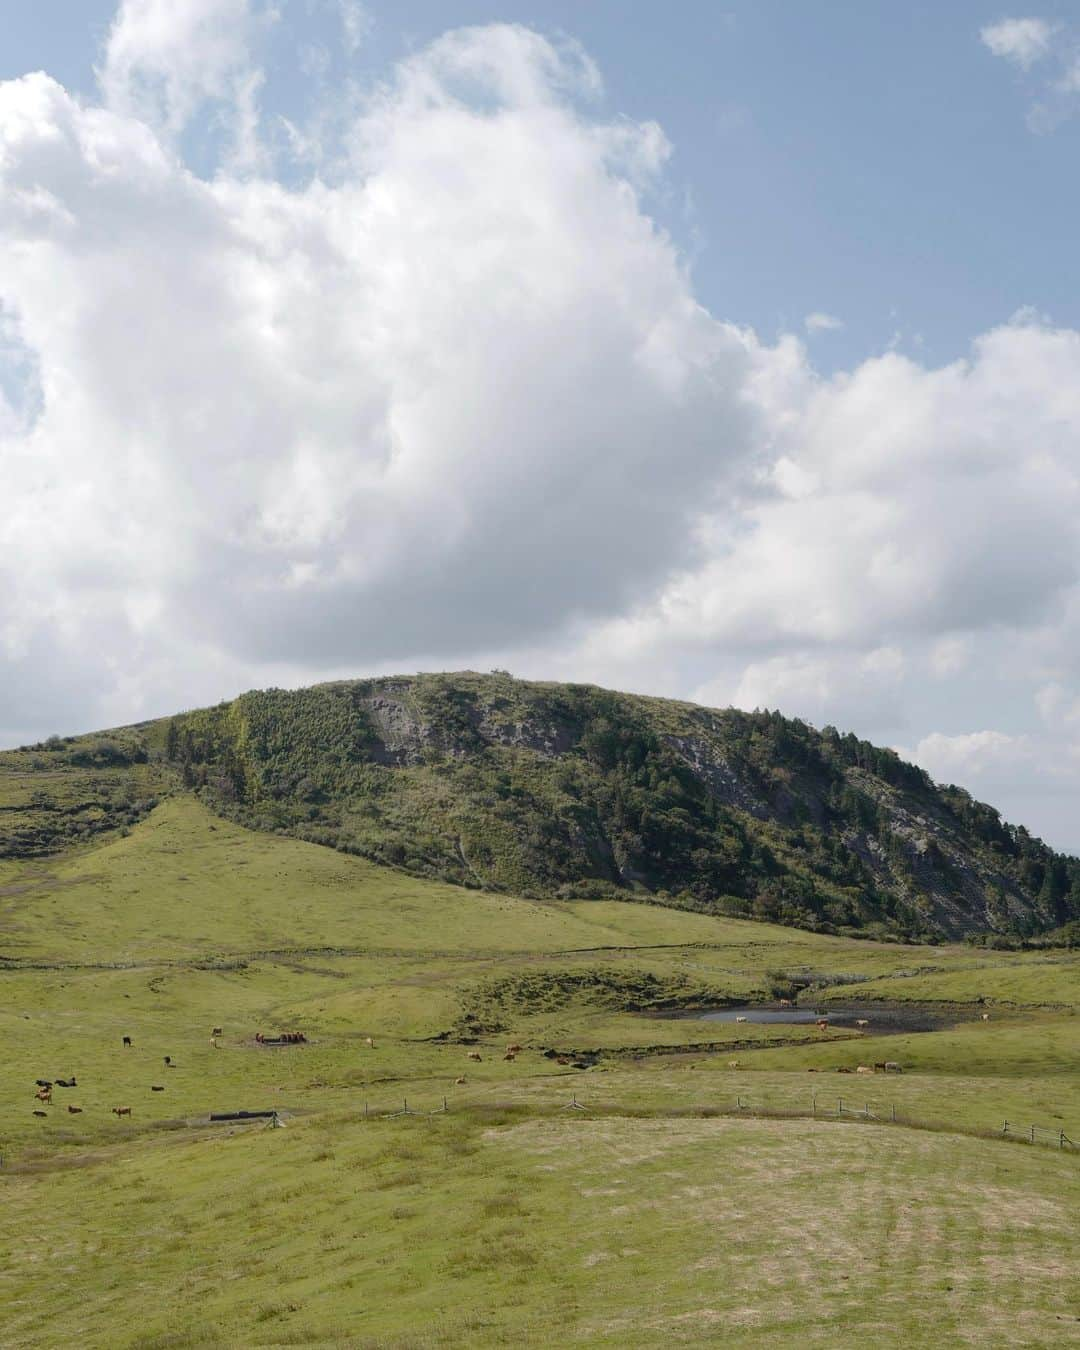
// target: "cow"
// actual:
[[119, 1111], [514, 1049], [879, 1066], [845, 1071], [459, 1082], [891, 1066], [862, 1021], [740, 1019], [127, 1042], [986, 1017], [66, 1082], [42, 1113], [168, 1062], [786, 1003], [733, 1063], [475, 1056], [864, 1068], [509, 1056], [822, 1024], [74, 1110], [213, 1043], [44, 1095], [42, 1082], [155, 1088], [216, 1031], [562, 1059]]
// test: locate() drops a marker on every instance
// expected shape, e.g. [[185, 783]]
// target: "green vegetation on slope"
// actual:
[[509, 1220]]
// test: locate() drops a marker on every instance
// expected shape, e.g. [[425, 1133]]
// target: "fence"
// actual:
[[1036, 1134], [821, 1108]]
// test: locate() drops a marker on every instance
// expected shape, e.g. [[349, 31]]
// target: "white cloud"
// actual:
[[1022, 41], [822, 323], [164, 61], [456, 403], [413, 412]]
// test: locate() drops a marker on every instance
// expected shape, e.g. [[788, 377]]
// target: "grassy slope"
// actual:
[[474, 1227]]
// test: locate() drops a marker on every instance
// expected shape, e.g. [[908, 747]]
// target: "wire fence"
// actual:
[[819, 1108]]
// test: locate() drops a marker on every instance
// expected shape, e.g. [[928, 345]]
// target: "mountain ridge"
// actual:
[[569, 790]]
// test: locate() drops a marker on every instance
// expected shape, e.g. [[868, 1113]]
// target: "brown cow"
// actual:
[[74, 1110], [44, 1095], [822, 1024], [733, 1064], [562, 1059], [121, 1111], [510, 1057], [459, 1082], [475, 1056], [514, 1049], [786, 1003]]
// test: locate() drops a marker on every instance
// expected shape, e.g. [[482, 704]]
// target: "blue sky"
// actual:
[[863, 159], [341, 338]]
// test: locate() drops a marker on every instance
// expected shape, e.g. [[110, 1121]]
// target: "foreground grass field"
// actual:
[[512, 1219]]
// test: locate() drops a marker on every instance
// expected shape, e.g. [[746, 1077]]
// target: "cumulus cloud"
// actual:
[[455, 402], [1022, 41], [419, 410]]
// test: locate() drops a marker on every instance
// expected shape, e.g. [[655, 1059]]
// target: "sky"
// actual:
[[727, 352]]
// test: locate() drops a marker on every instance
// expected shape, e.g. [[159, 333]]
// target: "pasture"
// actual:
[[511, 1219]]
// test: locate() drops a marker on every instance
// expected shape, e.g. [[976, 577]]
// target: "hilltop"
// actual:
[[572, 792]]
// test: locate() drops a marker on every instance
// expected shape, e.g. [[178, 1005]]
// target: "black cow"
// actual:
[[127, 1041], [43, 1082], [66, 1082]]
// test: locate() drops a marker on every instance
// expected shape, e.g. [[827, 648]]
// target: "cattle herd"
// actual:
[[44, 1086]]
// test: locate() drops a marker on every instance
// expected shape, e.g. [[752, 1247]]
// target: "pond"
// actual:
[[882, 1018]]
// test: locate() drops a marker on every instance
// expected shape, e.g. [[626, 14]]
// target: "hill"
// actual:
[[710, 1189], [569, 791]]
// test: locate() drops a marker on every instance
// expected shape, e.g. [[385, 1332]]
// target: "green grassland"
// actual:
[[656, 1216]]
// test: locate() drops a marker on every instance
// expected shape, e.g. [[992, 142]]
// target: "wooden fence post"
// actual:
[[1033, 1134], [839, 1106]]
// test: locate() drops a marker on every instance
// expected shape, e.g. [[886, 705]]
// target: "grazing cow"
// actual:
[[127, 1042], [891, 1066], [217, 1031], [459, 1082], [66, 1082], [74, 1110], [154, 1088], [475, 1056], [864, 1068], [845, 1071], [862, 1021], [41, 1113], [509, 1056], [121, 1111], [42, 1082], [822, 1024], [561, 1059], [514, 1049], [811, 1071], [44, 1094], [733, 1063]]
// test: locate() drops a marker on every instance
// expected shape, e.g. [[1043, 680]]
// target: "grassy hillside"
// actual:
[[511, 1219], [568, 791]]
